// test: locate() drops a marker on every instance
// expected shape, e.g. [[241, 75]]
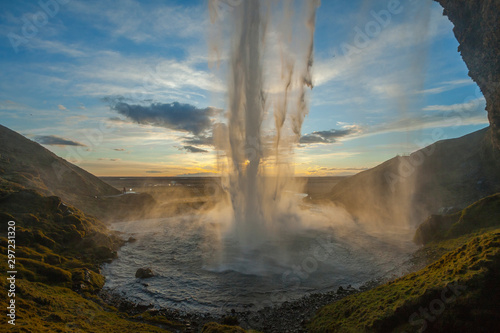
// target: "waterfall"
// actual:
[[269, 64]]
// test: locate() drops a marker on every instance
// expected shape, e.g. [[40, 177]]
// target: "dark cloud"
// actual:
[[194, 149], [176, 116], [119, 149], [153, 171], [326, 136], [200, 140], [116, 119], [310, 138], [53, 140]]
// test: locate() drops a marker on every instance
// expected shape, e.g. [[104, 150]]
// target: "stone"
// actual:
[[144, 273]]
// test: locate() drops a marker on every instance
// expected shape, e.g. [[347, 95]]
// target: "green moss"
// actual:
[[44, 308], [45, 272], [58, 248], [217, 328], [481, 216], [87, 280], [153, 318]]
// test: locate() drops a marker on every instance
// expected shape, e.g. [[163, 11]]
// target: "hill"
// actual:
[[444, 177], [30, 165]]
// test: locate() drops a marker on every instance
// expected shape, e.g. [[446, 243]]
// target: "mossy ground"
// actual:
[[58, 252], [458, 292], [218, 328], [51, 308], [478, 217]]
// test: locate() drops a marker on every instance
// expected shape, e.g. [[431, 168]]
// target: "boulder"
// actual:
[[144, 273]]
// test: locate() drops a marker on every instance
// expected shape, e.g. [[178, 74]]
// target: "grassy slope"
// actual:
[[220, 328], [52, 308], [482, 214], [58, 252], [471, 260]]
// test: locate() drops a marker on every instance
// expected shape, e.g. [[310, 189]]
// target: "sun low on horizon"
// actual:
[[126, 88]]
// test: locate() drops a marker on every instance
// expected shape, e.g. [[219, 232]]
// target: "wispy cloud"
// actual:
[[388, 72], [126, 18], [447, 86], [192, 149], [476, 104], [56, 47], [200, 140], [53, 140], [115, 74], [330, 136]]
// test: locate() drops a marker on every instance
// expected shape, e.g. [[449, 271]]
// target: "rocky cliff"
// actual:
[[477, 29]]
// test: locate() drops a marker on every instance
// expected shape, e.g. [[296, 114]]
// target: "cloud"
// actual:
[[55, 47], [200, 140], [476, 104], [61, 107], [441, 119], [175, 116], [346, 169], [192, 149], [330, 136], [324, 171], [14, 106], [52, 140], [447, 86], [109, 159], [141, 22], [153, 171], [119, 149]]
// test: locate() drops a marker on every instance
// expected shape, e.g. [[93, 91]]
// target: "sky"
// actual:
[[124, 87]]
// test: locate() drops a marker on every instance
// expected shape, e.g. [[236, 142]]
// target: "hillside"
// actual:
[[27, 163], [457, 292], [443, 177], [58, 252]]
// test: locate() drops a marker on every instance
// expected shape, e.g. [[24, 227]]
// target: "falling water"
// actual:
[[270, 62]]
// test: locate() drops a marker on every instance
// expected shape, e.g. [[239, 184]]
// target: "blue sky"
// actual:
[[384, 85]]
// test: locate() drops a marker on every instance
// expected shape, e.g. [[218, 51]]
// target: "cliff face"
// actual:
[[477, 29]]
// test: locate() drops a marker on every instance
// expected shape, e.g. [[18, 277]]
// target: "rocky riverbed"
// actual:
[[288, 317]]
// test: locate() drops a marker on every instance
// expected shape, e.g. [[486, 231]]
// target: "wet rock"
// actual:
[[144, 273]]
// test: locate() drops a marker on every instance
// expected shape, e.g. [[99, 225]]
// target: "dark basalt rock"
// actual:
[[477, 29], [144, 273]]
